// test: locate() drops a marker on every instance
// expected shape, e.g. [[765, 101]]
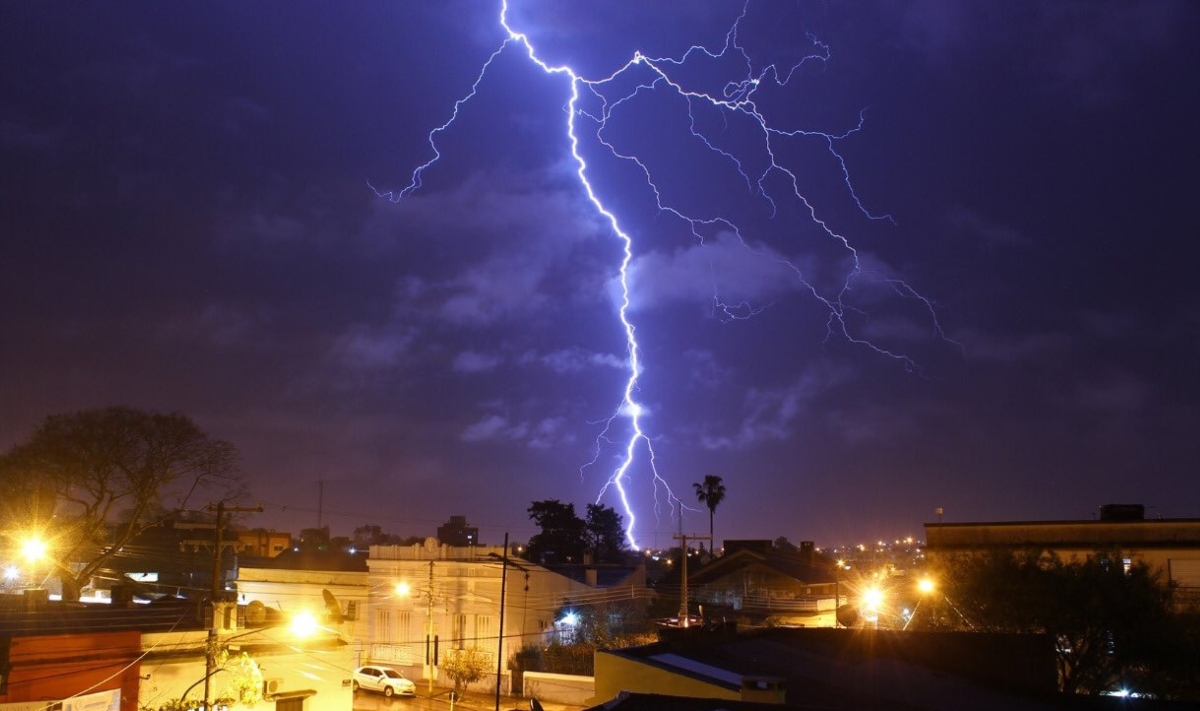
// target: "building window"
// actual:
[[404, 631], [383, 625], [483, 628], [460, 630]]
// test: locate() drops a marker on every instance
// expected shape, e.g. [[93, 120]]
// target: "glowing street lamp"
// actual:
[[34, 549], [872, 600], [305, 625], [926, 587]]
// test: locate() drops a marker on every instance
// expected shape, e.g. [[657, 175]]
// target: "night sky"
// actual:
[[192, 221]]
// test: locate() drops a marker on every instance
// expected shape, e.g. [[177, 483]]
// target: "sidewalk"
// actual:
[[474, 701]]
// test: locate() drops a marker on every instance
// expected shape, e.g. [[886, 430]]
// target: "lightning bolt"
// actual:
[[595, 101]]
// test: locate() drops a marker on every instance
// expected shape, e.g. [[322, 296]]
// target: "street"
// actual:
[[440, 701]]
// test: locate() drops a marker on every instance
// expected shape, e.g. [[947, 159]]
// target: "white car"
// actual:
[[389, 681]]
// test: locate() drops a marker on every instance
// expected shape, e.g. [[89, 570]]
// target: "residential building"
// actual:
[[760, 584], [262, 543], [456, 532], [427, 599], [1169, 545]]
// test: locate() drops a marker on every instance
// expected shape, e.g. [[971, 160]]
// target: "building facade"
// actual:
[[428, 599], [1169, 545]]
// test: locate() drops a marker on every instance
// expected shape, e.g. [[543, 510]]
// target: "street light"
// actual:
[[34, 549], [872, 600], [925, 586]]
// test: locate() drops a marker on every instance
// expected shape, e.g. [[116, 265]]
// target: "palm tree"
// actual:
[[710, 492]]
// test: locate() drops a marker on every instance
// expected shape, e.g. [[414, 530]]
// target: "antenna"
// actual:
[[320, 500]]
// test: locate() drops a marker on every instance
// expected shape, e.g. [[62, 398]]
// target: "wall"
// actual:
[[56, 667], [559, 688]]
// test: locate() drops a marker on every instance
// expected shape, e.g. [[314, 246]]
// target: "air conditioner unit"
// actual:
[[271, 687]]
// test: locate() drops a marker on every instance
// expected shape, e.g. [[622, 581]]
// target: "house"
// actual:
[[427, 599], [1169, 545], [263, 543], [833, 669], [759, 583]]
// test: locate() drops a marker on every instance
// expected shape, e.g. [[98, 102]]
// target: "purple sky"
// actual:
[[188, 225]]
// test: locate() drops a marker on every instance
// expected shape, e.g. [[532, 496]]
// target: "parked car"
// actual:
[[387, 680]]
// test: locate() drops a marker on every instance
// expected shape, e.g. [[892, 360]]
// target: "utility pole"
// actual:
[[683, 595], [217, 592], [430, 643], [500, 643]]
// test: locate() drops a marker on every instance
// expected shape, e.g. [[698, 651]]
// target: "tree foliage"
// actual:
[[565, 537], [604, 533], [83, 469], [710, 492], [465, 666], [1113, 627], [562, 538]]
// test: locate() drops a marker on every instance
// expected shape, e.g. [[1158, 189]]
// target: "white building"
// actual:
[[425, 600]]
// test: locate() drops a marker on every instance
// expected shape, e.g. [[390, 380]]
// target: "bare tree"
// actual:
[[77, 471]]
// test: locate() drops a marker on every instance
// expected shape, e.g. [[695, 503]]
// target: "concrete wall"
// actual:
[[559, 688]]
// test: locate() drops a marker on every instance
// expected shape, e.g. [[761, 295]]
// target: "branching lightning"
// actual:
[[737, 100]]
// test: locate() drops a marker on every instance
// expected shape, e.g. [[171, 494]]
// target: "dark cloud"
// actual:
[[195, 225]]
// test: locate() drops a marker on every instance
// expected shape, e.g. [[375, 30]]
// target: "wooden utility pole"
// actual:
[[430, 641], [683, 594], [217, 592]]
